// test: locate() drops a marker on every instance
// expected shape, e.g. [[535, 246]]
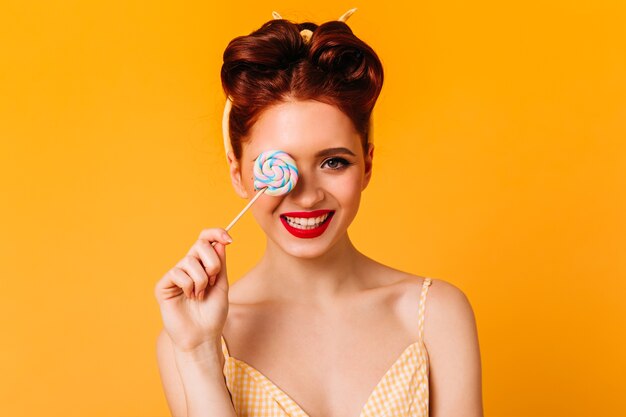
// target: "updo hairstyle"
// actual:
[[274, 64]]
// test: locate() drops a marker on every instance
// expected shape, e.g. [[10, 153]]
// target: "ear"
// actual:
[[235, 175], [368, 165]]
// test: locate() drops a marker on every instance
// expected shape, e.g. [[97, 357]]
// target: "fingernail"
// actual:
[[200, 295], [226, 237]]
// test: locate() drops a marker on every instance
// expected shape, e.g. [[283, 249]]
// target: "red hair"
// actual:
[[274, 64]]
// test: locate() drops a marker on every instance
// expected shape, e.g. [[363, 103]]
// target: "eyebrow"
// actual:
[[330, 151], [333, 151]]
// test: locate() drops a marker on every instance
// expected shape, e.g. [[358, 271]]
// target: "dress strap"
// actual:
[[422, 308], [224, 348]]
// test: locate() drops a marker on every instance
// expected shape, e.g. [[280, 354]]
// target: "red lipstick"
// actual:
[[307, 233]]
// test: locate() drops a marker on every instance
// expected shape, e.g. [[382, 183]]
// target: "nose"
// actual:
[[307, 193]]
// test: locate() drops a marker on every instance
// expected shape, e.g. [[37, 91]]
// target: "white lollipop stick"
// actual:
[[243, 211], [245, 208]]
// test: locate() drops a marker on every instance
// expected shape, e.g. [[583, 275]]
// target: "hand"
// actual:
[[193, 295]]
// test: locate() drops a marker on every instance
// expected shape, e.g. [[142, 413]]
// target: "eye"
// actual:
[[336, 163]]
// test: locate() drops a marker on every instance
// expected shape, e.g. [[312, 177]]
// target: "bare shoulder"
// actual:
[[451, 339], [448, 305], [448, 317]]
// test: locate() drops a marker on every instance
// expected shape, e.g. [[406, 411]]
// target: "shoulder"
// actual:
[[448, 316], [448, 304], [451, 339], [449, 321]]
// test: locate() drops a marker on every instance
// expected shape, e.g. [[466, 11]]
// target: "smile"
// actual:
[[307, 225]]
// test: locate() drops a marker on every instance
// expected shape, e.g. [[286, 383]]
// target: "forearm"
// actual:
[[202, 375]]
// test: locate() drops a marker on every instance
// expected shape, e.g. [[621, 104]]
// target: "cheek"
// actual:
[[265, 207], [247, 178], [344, 190], [348, 187]]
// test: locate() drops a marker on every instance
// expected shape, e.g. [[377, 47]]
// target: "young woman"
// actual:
[[316, 328]]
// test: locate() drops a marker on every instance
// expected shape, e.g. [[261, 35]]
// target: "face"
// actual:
[[332, 173]]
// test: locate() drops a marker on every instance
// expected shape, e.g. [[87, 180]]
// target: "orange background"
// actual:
[[500, 167]]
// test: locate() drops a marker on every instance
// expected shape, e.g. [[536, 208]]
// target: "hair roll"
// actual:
[[274, 64]]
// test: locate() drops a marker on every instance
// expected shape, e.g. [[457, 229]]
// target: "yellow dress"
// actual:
[[402, 391]]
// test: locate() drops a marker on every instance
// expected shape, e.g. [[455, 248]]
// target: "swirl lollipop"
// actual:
[[275, 173]]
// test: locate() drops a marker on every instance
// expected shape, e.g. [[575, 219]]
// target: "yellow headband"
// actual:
[[306, 35]]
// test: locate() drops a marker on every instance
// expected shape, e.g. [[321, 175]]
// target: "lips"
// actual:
[[307, 233], [307, 214]]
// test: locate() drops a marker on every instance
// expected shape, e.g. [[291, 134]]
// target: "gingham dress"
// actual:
[[402, 391]]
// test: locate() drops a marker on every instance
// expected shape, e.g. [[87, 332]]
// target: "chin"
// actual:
[[304, 251]]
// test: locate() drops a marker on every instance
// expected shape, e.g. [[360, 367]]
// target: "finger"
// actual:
[[182, 280], [192, 266], [216, 234], [209, 258], [166, 287], [222, 276]]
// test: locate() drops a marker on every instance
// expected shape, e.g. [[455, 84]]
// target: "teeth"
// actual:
[[306, 223]]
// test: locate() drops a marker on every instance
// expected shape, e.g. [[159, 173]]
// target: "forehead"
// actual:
[[301, 128]]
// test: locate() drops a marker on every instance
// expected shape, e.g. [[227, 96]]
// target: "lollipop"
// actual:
[[275, 173]]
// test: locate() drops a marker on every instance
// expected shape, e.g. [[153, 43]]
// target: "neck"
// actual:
[[317, 280]]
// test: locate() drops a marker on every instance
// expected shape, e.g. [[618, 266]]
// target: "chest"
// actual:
[[328, 365]]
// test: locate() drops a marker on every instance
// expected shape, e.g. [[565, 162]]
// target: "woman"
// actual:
[[316, 328]]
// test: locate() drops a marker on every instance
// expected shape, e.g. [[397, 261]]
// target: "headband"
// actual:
[[306, 36]]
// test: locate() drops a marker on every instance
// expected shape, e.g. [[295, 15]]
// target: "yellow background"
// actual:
[[499, 167]]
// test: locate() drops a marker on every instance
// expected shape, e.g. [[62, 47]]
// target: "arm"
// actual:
[[193, 382], [451, 339]]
